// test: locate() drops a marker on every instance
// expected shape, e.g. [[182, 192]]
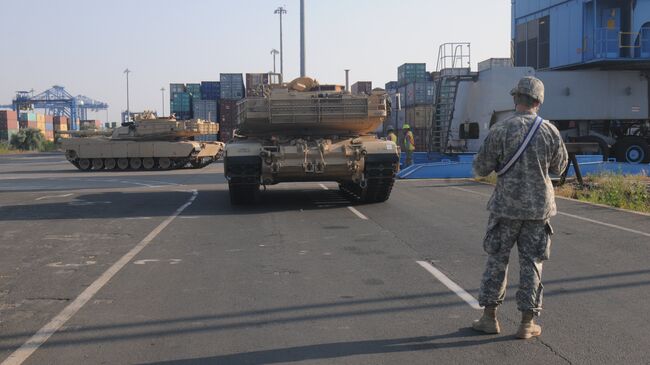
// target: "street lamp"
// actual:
[[274, 52], [128, 113], [280, 10], [162, 90]]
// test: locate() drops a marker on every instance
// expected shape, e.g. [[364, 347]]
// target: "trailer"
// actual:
[[608, 107]]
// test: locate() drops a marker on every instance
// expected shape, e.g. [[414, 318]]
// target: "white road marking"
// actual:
[[29, 347], [61, 264], [53, 196], [467, 297], [352, 209], [645, 234], [142, 262], [358, 213]]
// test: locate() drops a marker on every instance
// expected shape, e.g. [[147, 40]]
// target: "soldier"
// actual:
[[391, 136], [409, 144], [522, 150]]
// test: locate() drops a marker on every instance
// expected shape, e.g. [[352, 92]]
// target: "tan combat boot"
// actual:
[[488, 322], [528, 328]]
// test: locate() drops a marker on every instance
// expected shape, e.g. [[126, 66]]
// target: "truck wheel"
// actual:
[[632, 149], [603, 147]]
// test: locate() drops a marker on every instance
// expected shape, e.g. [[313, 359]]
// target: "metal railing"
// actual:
[[612, 43]]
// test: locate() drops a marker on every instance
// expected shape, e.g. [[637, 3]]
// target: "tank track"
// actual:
[[380, 177], [243, 179], [105, 165]]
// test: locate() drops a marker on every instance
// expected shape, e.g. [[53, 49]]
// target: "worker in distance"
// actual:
[[522, 150]]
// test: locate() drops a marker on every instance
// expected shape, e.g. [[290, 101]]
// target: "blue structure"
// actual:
[[58, 102], [557, 34]]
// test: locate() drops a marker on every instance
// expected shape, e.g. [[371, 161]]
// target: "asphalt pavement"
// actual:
[[158, 268]]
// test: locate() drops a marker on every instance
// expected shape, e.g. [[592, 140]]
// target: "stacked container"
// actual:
[[232, 86], [228, 121], [210, 90], [8, 124], [411, 72], [60, 123], [194, 90], [362, 87], [27, 120], [48, 131], [181, 105], [206, 110]]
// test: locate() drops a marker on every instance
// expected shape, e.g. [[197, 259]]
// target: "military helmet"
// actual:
[[390, 128], [406, 126], [530, 86]]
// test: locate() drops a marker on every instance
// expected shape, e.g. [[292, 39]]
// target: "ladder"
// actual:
[[453, 66]]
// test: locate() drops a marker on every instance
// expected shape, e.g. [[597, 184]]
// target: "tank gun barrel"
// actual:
[[85, 133]]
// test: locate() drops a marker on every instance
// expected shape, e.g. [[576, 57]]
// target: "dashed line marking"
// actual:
[[467, 297], [358, 213], [323, 186], [28, 348], [53, 196]]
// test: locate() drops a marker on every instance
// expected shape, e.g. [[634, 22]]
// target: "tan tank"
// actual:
[[303, 131], [147, 143]]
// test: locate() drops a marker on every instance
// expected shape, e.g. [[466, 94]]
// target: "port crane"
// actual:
[[57, 101]]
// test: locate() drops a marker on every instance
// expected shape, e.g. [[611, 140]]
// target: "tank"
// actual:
[[148, 143], [303, 131]]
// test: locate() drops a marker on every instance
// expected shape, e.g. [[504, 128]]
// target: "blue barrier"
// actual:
[[439, 166]]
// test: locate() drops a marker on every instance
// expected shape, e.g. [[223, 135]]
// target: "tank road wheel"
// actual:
[[122, 163], [135, 163], [148, 163], [109, 164], [164, 163], [84, 164], [98, 164]]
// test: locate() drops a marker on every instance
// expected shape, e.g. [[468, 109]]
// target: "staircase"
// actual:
[[453, 67]]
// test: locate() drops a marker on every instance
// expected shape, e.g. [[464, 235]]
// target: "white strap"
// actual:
[[522, 147]]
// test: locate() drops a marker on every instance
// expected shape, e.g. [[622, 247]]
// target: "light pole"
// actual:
[[128, 113], [302, 38], [274, 52], [280, 10], [162, 90]]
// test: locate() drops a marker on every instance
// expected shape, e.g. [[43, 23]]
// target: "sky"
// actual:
[[85, 45]]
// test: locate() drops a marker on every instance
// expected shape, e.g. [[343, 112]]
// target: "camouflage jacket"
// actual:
[[525, 191]]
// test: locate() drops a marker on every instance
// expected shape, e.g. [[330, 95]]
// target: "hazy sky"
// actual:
[[86, 45]]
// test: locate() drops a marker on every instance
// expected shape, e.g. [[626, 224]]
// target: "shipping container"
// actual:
[[411, 72], [194, 90], [27, 117], [206, 110], [176, 88], [391, 87], [232, 86], [360, 87], [210, 90], [419, 116], [418, 93], [60, 123]]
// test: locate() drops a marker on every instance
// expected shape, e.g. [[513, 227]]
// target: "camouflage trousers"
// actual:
[[533, 239]]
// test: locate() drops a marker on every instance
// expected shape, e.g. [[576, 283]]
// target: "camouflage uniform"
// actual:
[[520, 207]]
